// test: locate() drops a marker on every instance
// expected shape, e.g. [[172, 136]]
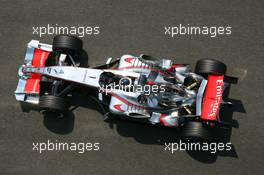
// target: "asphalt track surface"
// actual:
[[133, 27]]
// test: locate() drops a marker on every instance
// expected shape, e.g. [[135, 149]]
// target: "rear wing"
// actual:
[[212, 97], [209, 97]]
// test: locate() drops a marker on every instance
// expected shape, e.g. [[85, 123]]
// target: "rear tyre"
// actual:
[[53, 104], [207, 66], [67, 43], [195, 131]]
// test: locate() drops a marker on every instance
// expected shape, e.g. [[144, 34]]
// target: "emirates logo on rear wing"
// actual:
[[213, 97], [218, 98]]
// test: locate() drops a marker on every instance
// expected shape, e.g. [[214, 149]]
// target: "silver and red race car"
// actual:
[[145, 88]]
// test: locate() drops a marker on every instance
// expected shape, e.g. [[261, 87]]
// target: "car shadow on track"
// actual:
[[54, 123], [149, 134], [159, 135], [64, 125]]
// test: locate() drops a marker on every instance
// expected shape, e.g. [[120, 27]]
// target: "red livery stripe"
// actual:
[[118, 107], [129, 59], [39, 59], [213, 97]]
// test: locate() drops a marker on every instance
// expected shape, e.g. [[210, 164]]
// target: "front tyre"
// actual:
[[67, 44], [54, 104]]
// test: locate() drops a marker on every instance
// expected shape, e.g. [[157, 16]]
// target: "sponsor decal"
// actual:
[[218, 97], [213, 97], [129, 60], [118, 107]]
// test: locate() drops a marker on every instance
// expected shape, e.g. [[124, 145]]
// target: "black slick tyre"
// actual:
[[53, 104], [67, 43], [210, 66], [195, 131]]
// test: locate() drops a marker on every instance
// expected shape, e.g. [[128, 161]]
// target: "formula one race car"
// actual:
[[145, 88]]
